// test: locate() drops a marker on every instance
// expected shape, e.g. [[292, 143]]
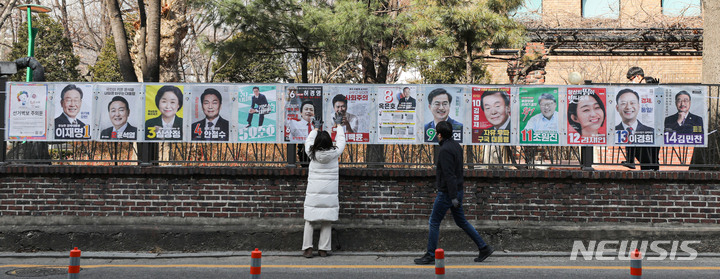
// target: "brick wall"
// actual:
[[608, 197]]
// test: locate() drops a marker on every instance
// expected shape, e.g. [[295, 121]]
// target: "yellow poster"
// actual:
[[163, 112]]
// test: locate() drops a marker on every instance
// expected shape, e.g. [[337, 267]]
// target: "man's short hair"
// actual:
[[444, 129], [306, 102], [68, 88], [255, 87], [339, 98], [437, 92], [172, 89], [121, 99], [545, 96], [635, 71], [408, 88], [503, 94], [211, 91], [626, 90], [682, 93]]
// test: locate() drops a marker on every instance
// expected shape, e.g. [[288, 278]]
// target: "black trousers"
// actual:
[[648, 157]]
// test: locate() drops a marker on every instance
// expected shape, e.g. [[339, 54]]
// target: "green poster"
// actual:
[[539, 117]]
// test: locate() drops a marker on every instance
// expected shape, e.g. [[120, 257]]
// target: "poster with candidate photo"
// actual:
[[586, 116], [444, 103], [27, 111], [257, 113], [303, 104], [210, 112], [539, 115], [633, 110], [491, 121], [119, 110], [164, 112], [73, 111], [685, 120], [397, 114], [353, 106]]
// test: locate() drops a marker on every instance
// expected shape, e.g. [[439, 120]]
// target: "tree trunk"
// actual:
[[151, 72], [173, 30], [710, 68], [7, 10], [304, 65], [368, 65], [121, 42], [468, 61], [65, 20]]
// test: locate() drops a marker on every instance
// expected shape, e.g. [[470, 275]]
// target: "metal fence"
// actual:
[[358, 155]]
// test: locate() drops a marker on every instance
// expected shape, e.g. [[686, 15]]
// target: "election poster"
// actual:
[[491, 115], [257, 113], [164, 112], [397, 114], [444, 104], [352, 106], [303, 104], [119, 109], [210, 112], [73, 111], [27, 111], [539, 116], [634, 115], [685, 114], [586, 116]]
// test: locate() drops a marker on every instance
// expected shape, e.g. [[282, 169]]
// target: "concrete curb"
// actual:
[[176, 255]]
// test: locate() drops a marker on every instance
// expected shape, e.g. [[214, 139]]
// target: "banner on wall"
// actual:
[[257, 113], [586, 116], [353, 105], [634, 115], [164, 112], [397, 114], [117, 108], [444, 104], [302, 105], [539, 116], [685, 114], [73, 111], [27, 111], [491, 115]]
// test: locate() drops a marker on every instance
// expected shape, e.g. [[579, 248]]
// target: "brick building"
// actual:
[[668, 34]]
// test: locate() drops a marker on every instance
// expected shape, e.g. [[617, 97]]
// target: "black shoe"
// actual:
[[484, 253], [426, 259]]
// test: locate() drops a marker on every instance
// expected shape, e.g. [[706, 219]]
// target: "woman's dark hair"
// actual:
[[172, 89], [572, 110], [323, 141]]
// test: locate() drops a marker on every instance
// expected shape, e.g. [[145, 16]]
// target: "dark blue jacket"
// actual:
[[449, 168]]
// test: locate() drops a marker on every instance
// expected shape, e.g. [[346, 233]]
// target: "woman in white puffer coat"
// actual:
[[321, 195]]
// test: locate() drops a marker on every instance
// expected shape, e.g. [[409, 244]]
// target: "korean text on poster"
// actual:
[[397, 114], [164, 112], [210, 111], [302, 105], [352, 105], [586, 116], [257, 113], [490, 115], [444, 104], [120, 109], [73, 111], [684, 111], [27, 111], [539, 117], [635, 116]]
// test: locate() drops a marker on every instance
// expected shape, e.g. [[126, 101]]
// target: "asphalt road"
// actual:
[[349, 266]]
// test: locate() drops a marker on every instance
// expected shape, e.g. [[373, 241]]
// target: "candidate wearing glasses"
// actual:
[[439, 101], [547, 119]]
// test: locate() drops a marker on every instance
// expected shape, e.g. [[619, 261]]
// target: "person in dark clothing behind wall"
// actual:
[[449, 182], [648, 157]]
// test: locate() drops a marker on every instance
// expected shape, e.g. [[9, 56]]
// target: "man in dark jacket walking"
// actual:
[[449, 181]]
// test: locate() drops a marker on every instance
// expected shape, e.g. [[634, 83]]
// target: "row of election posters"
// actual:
[[383, 114]]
